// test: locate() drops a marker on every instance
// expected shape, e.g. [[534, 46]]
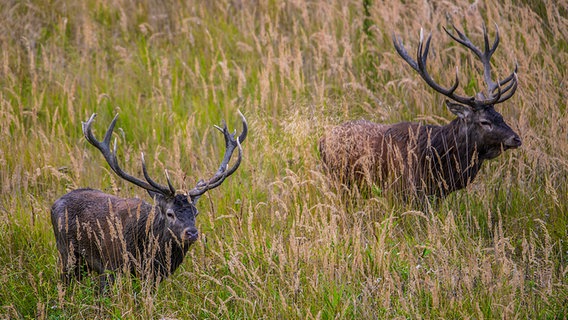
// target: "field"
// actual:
[[278, 238]]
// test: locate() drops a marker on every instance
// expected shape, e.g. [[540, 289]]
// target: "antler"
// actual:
[[480, 100], [224, 171], [110, 157]]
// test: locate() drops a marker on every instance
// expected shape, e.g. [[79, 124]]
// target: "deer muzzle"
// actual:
[[513, 142], [190, 234]]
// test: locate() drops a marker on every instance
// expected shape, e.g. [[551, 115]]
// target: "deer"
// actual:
[[426, 161], [100, 232]]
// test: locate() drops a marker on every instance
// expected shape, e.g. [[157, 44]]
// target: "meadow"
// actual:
[[279, 240]]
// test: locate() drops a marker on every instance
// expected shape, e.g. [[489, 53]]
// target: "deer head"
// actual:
[[178, 210]]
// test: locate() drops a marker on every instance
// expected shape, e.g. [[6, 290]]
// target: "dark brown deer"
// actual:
[[101, 232], [426, 160]]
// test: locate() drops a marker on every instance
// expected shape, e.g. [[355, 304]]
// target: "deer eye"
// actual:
[[486, 124]]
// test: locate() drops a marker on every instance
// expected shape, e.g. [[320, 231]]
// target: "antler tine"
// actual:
[[495, 42], [89, 133], [243, 135], [111, 159], [511, 81], [510, 89], [224, 171], [238, 161], [170, 190], [487, 59], [464, 40], [510, 77], [399, 46]]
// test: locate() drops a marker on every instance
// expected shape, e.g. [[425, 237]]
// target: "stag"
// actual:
[[427, 161], [100, 232]]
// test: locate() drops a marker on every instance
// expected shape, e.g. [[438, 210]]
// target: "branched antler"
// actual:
[[496, 92], [231, 143], [110, 157]]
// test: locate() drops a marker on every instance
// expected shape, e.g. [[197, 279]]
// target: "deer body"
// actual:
[[106, 232], [425, 160], [102, 232], [408, 157]]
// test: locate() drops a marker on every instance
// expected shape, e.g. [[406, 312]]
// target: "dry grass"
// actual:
[[278, 240]]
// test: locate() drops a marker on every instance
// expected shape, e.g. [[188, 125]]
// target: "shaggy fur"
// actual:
[[416, 159], [103, 232]]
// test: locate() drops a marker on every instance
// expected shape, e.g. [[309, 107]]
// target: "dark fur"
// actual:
[[103, 232], [415, 159]]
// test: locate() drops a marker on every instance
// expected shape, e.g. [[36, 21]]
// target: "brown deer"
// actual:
[[426, 160], [101, 232]]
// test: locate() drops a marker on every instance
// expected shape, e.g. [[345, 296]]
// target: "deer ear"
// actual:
[[460, 110]]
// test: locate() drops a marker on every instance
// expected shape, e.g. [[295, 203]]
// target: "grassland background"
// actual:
[[278, 240]]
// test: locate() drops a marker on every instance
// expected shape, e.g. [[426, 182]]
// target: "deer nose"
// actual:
[[514, 142], [190, 234]]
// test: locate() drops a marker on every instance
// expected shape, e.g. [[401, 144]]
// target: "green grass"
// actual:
[[278, 240]]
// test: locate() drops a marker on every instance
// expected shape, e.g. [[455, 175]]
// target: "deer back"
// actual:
[[363, 151]]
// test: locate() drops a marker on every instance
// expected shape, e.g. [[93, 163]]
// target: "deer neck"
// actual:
[[453, 154], [155, 243]]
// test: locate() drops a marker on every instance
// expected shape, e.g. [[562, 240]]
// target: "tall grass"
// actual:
[[278, 240]]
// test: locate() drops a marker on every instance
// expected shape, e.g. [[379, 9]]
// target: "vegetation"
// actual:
[[278, 239]]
